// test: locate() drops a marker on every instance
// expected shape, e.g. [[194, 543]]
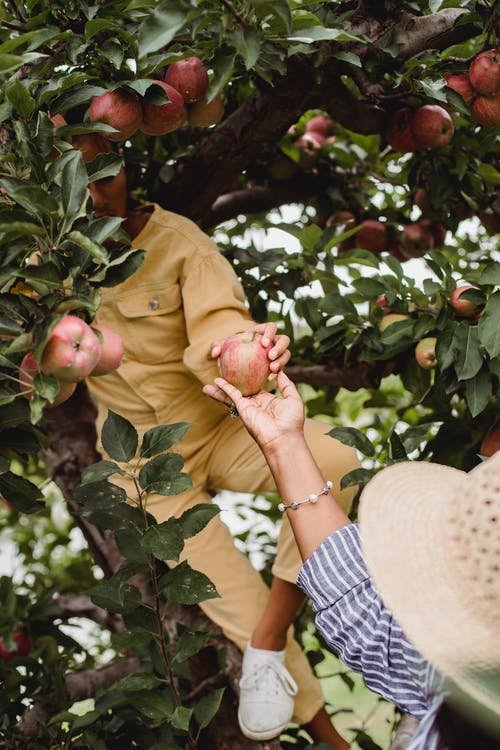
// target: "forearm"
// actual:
[[297, 475]]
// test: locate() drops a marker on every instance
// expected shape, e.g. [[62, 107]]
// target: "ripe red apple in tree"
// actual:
[[425, 353], [91, 144], [189, 77], [399, 134], [372, 236], [244, 362], [72, 351], [432, 126], [159, 119], [484, 72], [388, 320], [463, 308], [417, 239], [203, 114], [121, 110], [421, 199], [58, 121], [111, 351], [341, 217], [24, 644], [486, 110], [319, 124], [309, 144], [460, 83], [381, 302], [491, 443], [27, 371]]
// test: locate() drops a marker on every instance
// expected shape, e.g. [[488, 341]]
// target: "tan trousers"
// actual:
[[234, 462]]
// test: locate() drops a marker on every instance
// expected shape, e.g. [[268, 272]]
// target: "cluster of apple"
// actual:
[[74, 350], [429, 126], [185, 84], [480, 87], [24, 644], [425, 350], [413, 241]]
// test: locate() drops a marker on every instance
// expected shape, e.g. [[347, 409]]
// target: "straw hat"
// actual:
[[431, 540]]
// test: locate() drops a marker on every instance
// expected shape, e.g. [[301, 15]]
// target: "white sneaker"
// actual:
[[266, 694]]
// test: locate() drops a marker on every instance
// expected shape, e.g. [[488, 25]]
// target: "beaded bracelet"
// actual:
[[312, 498]]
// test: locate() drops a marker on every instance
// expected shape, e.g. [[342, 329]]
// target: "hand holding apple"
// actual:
[[279, 354]]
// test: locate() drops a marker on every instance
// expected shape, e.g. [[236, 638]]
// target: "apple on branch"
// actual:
[[24, 644], [28, 368], [204, 114], [72, 350], [189, 77], [484, 72], [464, 308], [432, 126], [425, 352], [460, 83], [372, 236], [388, 320], [244, 362], [120, 110], [160, 119], [111, 351]]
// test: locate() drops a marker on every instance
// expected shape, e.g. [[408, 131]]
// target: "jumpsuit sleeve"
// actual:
[[355, 623], [214, 308]]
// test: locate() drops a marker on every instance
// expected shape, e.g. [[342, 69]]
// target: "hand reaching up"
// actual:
[[269, 419]]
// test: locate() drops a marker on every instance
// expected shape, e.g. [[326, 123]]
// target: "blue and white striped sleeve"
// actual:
[[354, 621]]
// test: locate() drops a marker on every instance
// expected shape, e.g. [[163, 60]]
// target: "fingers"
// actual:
[[287, 387], [279, 354], [267, 331], [221, 390], [215, 348]]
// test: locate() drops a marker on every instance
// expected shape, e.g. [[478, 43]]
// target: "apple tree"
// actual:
[[344, 155]]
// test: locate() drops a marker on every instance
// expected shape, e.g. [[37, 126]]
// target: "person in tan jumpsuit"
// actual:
[[169, 313]]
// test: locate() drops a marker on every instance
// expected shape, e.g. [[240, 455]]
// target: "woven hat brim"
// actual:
[[404, 521]]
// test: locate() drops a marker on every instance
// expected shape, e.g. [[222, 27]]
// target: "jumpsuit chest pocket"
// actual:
[[153, 323]]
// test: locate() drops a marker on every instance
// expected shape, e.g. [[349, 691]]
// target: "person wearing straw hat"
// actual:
[[410, 595]]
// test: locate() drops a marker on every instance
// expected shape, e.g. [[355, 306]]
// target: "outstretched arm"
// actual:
[[277, 425]]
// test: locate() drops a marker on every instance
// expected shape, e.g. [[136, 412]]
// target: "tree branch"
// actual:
[[364, 375], [79, 605], [416, 34]]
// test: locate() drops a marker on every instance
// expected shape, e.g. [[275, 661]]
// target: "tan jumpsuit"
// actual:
[[185, 296]]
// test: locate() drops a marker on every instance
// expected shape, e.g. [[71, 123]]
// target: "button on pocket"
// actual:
[[154, 326]]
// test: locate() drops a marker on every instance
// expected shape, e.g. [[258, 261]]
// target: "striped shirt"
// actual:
[[354, 621]]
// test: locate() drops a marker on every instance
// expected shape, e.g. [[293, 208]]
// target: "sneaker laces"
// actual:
[[270, 677]]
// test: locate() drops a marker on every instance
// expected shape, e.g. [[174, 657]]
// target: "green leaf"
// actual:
[[349, 57], [159, 473], [159, 439], [21, 493], [153, 705], [355, 478], [183, 585], [319, 34], [247, 43], [164, 540], [103, 166], [96, 251], [160, 27], [100, 471], [20, 98], [194, 519], [468, 358], [490, 274], [355, 438], [337, 304], [207, 707], [119, 437], [73, 189], [489, 328], [30, 197], [190, 644], [181, 717], [397, 449], [478, 392]]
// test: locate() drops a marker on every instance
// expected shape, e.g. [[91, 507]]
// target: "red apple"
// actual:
[[121, 110], [372, 236], [432, 126], [203, 114], [484, 72], [381, 302], [309, 144], [319, 124], [463, 308], [425, 353], [244, 362], [159, 119], [189, 77], [27, 371], [72, 351], [486, 110], [460, 83], [399, 133], [491, 443], [438, 232], [417, 239], [24, 645], [57, 121], [388, 320], [111, 351], [421, 199], [397, 251], [91, 144]]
